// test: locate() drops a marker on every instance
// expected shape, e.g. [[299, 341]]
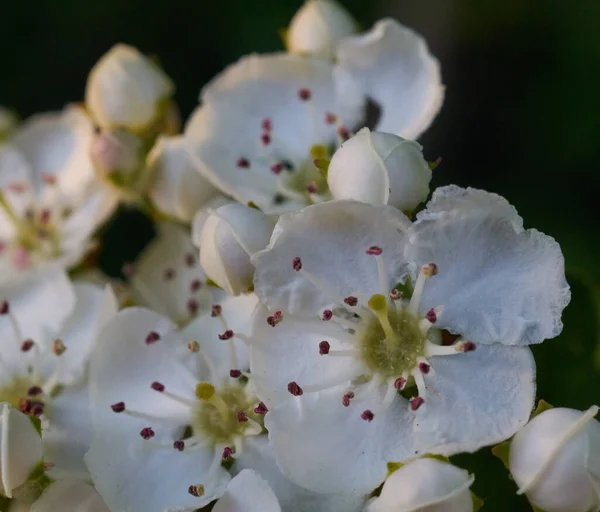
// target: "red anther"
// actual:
[[241, 416], [190, 259], [147, 433], [297, 264], [152, 337], [27, 345], [261, 408], [179, 445], [424, 368], [169, 274], [311, 188], [324, 348], [278, 316], [294, 389], [227, 454], [243, 163], [431, 316], [327, 314], [400, 383], [36, 409], [195, 285], [343, 133], [265, 139], [215, 310], [118, 407], [4, 308], [192, 307], [34, 391], [330, 118], [351, 301], [227, 335], [346, 398], [157, 386], [395, 294], [416, 402], [469, 346], [304, 94], [196, 490], [367, 415], [267, 125], [374, 250], [235, 374], [277, 168], [430, 269]]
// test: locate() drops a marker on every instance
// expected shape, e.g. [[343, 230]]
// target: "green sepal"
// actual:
[[502, 451], [251, 204], [227, 464], [477, 502], [392, 467], [37, 424], [406, 289], [542, 406], [210, 282]]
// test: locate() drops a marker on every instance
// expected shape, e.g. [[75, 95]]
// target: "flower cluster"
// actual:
[[312, 329]]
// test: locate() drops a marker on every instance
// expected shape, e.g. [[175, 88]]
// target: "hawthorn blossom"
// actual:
[[48, 327], [176, 414], [396, 339], [50, 200], [267, 126]]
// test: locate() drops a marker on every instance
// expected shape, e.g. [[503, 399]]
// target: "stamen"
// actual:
[[332, 382], [351, 301], [275, 318], [179, 445], [424, 368], [324, 348], [367, 415], [296, 265], [432, 349], [330, 118], [243, 163], [400, 383], [227, 454], [27, 345], [431, 316], [35, 391], [195, 285], [152, 337], [227, 335], [327, 314], [267, 125], [58, 347], [157, 386], [147, 433], [193, 346], [118, 407], [420, 382], [294, 389], [196, 490], [426, 272], [216, 310], [379, 305], [4, 307], [416, 402], [346, 398], [261, 408], [235, 374], [304, 94], [241, 417]]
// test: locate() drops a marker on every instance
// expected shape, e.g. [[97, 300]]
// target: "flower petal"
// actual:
[[69, 494], [227, 129], [496, 284], [475, 399], [331, 239], [393, 66], [248, 492]]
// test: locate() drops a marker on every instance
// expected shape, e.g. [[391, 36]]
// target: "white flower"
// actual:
[[176, 414], [48, 327], [69, 495], [177, 189], [248, 492], [266, 125], [380, 168], [20, 448], [230, 235], [348, 340], [318, 26], [127, 90], [50, 200], [167, 276], [555, 460], [8, 122], [425, 484]]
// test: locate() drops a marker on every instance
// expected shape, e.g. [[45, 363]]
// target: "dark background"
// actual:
[[521, 118]]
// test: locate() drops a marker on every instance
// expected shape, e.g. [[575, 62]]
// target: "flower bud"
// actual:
[[318, 26], [177, 188], [230, 235], [127, 90], [117, 152], [555, 460], [380, 168], [20, 448], [425, 484]]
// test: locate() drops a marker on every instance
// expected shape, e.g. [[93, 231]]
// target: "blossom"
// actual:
[[380, 168], [425, 484], [50, 200], [176, 188], [248, 492], [555, 460], [266, 125], [176, 415], [127, 90], [69, 494], [318, 26], [229, 236], [440, 311], [48, 327], [20, 448], [167, 276]]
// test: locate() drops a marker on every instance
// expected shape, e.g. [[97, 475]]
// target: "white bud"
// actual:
[[318, 26], [380, 168], [555, 460], [20, 448], [177, 188], [230, 235], [125, 89], [425, 485], [117, 152]]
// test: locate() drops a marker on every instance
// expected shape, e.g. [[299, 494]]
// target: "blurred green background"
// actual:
[[521, 118]]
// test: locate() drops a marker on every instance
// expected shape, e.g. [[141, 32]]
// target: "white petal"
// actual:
[[248, 492], [475, 399], [171, 251], [68, 435], [331, 239], [124, 366], [495, 284], [228, 126], [138, 476], [258, 455], [177, 188], [69, 495], [94, 306], [393, 66], [290, 352], [328, 448]]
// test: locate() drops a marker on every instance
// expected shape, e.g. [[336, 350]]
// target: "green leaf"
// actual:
[[502, 451]]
